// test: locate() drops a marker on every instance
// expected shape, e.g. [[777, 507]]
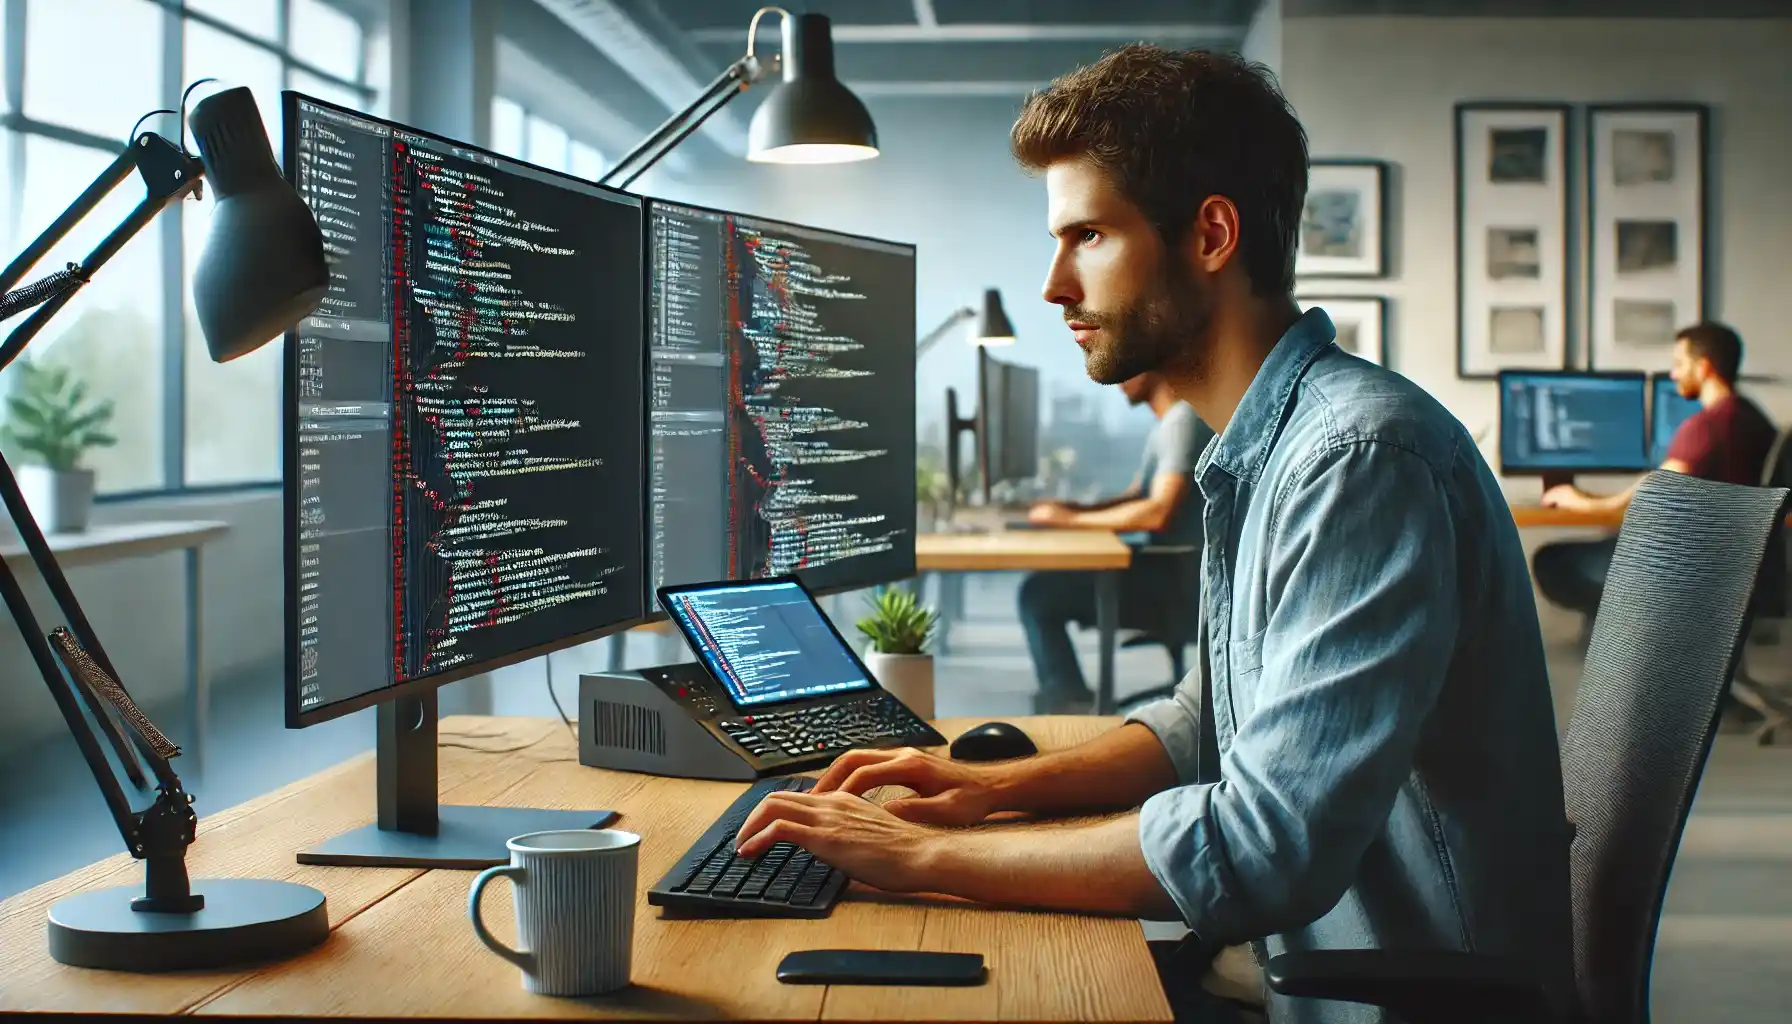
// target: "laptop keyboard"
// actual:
[[709, 880], [871, 722]]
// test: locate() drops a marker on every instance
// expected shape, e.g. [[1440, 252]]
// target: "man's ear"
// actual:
[[1212, 238]]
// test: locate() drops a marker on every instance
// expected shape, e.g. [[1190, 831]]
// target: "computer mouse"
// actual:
[[992, 741]]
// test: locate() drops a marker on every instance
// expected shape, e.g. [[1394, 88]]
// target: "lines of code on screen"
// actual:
[[766, 643], [781, 394], [1570, 421], [469, 413]]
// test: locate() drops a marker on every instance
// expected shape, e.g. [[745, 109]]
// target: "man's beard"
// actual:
[[1166, 329]]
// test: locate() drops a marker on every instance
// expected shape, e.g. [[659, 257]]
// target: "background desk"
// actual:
[[136, 540], [1097, 551], [400, 944]]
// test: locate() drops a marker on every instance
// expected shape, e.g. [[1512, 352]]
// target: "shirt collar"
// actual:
[[1244, 447]]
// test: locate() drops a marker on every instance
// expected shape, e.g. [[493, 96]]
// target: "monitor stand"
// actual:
[[412, 831], [1554, 479]]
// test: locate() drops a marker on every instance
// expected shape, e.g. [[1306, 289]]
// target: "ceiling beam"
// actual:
[[625, 41], [885, 88], [1212, 32]]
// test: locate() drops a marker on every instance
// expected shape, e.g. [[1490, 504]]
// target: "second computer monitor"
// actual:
[[1667, 410], [781, 391], [1559, 423], [1007, 421]]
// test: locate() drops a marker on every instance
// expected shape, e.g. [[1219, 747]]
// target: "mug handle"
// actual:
[[523, 960]]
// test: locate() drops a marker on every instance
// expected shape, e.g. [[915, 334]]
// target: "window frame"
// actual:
[[531, 114], [166, 231]]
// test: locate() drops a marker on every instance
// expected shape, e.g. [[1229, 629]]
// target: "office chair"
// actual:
[[1666, 639], [1770, 604], [1174, 622]]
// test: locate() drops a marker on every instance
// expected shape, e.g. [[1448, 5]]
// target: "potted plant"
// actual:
[[900, 627], [51, 424]]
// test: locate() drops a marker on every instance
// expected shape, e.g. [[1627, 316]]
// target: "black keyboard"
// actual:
[[824, 730], [710, 881]]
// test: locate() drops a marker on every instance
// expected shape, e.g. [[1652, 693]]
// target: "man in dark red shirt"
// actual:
[[1728, 439]]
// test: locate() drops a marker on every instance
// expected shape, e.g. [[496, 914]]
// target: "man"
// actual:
[[1158, 508], [1727, 439], [1370, 757]]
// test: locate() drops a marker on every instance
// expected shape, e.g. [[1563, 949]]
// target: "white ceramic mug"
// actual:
[[574, 894]]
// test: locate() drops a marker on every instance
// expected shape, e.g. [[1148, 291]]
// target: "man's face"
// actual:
[[1137, 389], [1689, 370], [1132, 305]]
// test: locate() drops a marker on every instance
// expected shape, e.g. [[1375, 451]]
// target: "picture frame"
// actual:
[[1647, 197], [1344, 223], [1361, 321], [1513, 188]]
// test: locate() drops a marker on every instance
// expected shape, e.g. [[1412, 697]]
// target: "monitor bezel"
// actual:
[[1643, 465], [649, 204], [297, 718], [666, 593]]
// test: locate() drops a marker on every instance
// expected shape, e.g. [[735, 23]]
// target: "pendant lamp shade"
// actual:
[[811, 118]]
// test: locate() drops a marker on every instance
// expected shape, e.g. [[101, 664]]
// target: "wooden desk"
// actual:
[[400, 944], [1527, 516], [100, 544], [1097, 551]]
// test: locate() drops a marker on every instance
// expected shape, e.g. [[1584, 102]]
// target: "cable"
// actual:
[[548, 660], [182, 141], [133, 136]]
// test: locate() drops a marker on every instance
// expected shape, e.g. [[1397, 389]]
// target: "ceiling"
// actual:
[[959, 48]]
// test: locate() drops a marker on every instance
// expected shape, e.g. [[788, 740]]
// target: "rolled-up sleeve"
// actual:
[[1176, 720], [1363, 615]]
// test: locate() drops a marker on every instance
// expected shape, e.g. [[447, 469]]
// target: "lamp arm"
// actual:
[[735, 79], [932, 338], [161, 833]]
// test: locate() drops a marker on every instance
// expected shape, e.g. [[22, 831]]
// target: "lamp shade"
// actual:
[[263, 266], [993, 327], [810, 118]]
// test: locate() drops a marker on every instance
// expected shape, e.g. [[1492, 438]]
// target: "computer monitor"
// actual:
[[781, 398], [464, 447], [1559, 423], [1667, 410], [1007, 421]]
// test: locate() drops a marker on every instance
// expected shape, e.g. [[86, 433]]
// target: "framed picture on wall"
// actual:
[[1511, 237], [1646, 216], [1361, 320], [1343, 227]]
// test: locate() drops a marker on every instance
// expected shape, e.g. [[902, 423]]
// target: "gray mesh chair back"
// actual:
[[1666, 638]]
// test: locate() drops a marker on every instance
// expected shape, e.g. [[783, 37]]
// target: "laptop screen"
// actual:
[[765, 640]]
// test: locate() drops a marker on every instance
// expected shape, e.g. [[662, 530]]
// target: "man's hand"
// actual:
[[1562, 496], [1050, 513], [947, 792], [858, 837]]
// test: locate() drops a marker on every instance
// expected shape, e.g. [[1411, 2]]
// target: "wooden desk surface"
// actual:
[[400, 944], [121, 540], [1536, 515], [1001, 550]]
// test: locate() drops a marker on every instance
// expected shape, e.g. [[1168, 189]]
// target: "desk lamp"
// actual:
[[262, 271], [811, 118], [993, 328]]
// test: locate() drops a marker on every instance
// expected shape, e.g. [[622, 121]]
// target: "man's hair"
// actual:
[[1717, 342], [1174, 127]]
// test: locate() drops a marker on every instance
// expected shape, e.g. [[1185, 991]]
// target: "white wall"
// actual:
[[1384, 87], [1263, 40]]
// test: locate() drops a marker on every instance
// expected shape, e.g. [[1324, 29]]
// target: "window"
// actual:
[[525, 135], [125, 335]]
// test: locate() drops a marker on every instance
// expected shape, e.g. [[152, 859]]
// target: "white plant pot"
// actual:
[[60, 500], [908, 677]]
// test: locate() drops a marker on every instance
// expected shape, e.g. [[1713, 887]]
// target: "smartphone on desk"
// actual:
[[880, 967]]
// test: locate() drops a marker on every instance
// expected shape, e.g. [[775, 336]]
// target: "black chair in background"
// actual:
[[1771, 605], [1171, 623], [1665, 645]]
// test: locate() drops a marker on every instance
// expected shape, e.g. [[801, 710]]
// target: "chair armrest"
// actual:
[[1419, 986]]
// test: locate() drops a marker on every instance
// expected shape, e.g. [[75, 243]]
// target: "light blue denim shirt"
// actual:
[[1389, 771]]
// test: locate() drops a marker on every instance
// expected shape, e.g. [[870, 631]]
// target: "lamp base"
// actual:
[[245, 920]]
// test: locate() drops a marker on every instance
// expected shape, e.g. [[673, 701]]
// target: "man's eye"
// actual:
[[1088, 235]]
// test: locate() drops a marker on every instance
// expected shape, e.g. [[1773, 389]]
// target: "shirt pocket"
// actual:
[[1244, 664]]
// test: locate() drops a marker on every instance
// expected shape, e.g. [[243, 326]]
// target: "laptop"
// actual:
[[795, 691]]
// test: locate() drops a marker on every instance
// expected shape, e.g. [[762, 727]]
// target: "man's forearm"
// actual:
[[1134, 514], [1117, 769], [1092, 869]]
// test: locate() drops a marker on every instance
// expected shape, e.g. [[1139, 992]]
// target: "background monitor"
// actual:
[[1667, 410], [1007, 421], [781, 396], [1571, 422]]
